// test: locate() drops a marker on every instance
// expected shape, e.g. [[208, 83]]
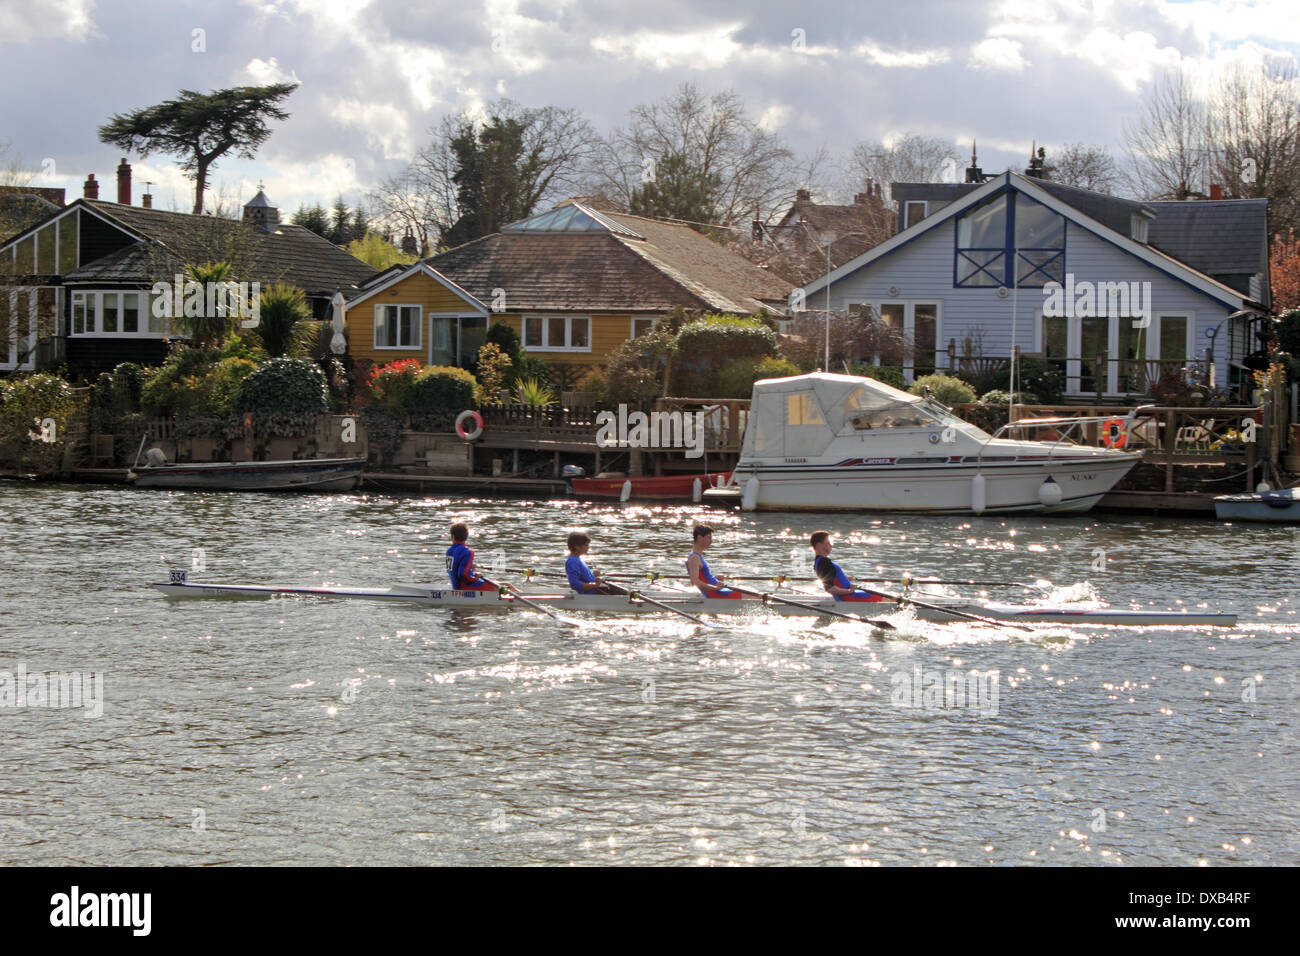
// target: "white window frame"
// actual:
[[94, 300], [909, 328], [925, 214], [654, 321], [1074, 345], [546, 345], [417, 325], [9, 356]]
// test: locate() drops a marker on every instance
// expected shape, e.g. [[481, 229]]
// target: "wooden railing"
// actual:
[[1188, 434]]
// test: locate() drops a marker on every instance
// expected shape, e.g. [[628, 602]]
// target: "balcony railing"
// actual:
[[1101, 375]]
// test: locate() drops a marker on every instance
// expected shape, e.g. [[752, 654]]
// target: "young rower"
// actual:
[[698, 569], [581, 578], [833, 578], [460, 563]]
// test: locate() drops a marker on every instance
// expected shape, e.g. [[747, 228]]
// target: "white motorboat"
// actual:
[[840, 442]]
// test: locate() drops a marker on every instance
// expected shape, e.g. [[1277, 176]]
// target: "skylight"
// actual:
[[571, 218]]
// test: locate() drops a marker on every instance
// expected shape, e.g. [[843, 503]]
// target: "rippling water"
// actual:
[[332, 732]]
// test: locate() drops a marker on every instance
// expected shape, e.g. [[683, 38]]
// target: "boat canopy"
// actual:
[[799, 416]]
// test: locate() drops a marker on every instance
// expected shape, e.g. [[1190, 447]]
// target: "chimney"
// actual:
[[90, 188], [146, 201], [409, 245], [879, 195], [124, 182], [802, 195], [861, 199], [1216, 191], [756, 230]]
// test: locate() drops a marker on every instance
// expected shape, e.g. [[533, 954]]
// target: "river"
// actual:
[[309, 731]]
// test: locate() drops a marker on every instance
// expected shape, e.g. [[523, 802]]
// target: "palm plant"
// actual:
[[209, 326], [529, 391], [284, 321]]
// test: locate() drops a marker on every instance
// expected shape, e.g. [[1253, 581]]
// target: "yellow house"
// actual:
[[575, 283]]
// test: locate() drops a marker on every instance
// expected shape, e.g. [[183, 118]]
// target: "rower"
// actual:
[[698, 569], [581, 578], [833, 578], [460, 563]]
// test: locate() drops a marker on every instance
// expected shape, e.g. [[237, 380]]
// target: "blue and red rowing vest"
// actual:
[[460, 570]]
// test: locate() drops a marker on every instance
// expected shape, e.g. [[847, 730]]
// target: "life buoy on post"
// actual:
[[469, 415], [1114, 434]]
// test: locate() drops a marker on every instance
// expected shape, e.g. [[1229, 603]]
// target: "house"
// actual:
[[79, 281], [575, 282], [810, 230], [1117, 293]]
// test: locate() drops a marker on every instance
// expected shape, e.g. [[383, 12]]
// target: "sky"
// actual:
[[376, 75]]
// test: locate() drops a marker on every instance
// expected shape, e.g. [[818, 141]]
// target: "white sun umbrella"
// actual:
[[338, 345]]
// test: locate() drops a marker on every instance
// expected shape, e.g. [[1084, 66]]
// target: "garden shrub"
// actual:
[[285, 386], [945, 388], [738, 378], [390, 383], [440, 390], [889, 374], [26, 403]]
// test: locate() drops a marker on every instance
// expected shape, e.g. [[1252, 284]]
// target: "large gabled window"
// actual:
[[1009, 240]]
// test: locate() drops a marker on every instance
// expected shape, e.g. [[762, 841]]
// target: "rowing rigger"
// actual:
[[179, 588]]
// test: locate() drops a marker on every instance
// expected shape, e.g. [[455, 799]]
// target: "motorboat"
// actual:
[[843, 442]]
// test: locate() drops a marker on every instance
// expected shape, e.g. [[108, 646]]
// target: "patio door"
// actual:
[[917, 325], [455, 339]]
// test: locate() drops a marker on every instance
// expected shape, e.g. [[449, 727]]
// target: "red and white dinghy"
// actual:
[[665, 487]]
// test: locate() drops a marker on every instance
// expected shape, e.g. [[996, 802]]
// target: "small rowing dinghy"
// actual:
[[649, 601], [1279, 507]]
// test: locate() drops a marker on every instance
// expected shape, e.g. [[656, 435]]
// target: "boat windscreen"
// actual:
[[864, 410]]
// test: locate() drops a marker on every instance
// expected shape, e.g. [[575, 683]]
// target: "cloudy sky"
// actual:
[[377, 74]]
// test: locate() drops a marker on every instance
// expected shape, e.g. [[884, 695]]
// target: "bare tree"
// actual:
[[1088, 167], [1255, 119], [1169, 143], [429, 195], [912, 159], [749, 170]]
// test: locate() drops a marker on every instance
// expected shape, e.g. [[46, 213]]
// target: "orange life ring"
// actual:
[[1114, 434], [469, 414]]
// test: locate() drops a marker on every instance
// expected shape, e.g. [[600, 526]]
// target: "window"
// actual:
[[1138, 227], [557, 333], [641, 326], [914, 212], [1006, 229], [115, 314], [397, 326]]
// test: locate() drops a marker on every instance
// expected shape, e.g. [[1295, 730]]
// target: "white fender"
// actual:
[[749, 500], [1050, 493], [697, 491], [978, 498], [626, 491]]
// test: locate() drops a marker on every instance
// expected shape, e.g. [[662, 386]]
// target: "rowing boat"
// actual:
[[568, 602]]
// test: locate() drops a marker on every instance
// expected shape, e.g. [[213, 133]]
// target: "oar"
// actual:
[[970, 617], [638, 596], [883, 625], [511, 590]]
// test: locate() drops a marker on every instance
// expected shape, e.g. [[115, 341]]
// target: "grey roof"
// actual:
[[145, 258], [287, 253], [260, 200], [1225, 239]]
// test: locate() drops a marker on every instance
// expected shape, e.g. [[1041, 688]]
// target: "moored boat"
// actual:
[[314, 474], [664, 487], [1274, 507], [936, 610], [840, 442]]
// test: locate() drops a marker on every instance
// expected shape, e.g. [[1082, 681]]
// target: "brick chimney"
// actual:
[[802, 195], [1216, 191], [124, 182], [90, 188], [861, 199]]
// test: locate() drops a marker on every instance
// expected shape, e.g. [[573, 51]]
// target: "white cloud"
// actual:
[[22, 21], [384, 126], [664, 51], [998, 53], [265, 72], [911, 59]]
